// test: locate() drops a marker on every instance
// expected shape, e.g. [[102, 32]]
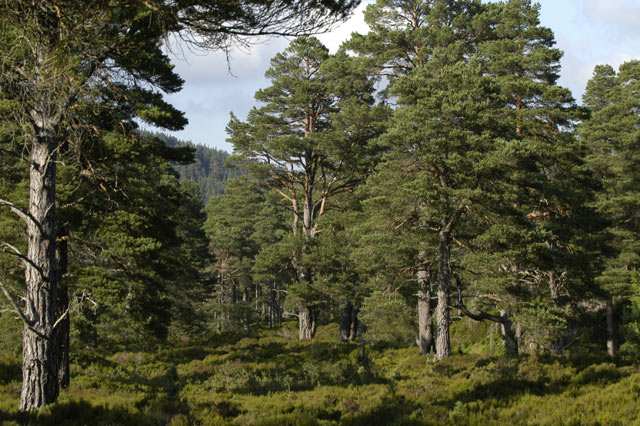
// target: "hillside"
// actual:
[[208, 171]]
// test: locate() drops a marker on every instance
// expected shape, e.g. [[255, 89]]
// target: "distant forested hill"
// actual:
[[208, 170]]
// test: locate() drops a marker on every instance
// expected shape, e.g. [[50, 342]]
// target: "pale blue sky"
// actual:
[[590, 32]]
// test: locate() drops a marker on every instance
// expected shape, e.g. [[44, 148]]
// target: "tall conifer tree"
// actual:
[[612, 135], [308, 143]]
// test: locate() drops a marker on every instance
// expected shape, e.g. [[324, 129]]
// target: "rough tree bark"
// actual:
[[308, 322], [40, 356], [443, 340], [509, 337], [425, 322], [307, 316]]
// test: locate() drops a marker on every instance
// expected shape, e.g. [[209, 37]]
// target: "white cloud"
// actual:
[[356, 24], [592, 32], [619, 17]]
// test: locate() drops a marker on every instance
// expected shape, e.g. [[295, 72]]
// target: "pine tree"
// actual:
[[406, 36], [538, 261], [415, 43], [308, 143], [612, 135]]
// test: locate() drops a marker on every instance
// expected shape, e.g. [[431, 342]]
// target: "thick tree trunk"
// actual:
[[39, 358], [308, 322], [508, 335], [425, 322], [346, 318], [611, 347], [443, 341]]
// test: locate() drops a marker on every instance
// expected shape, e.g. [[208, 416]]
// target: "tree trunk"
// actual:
[[611, 348], [308, 323], [443, 341], [356, 328], [61, 337], [62, 331], [508, 335], [345, 322], [425, 323], [39, 357], [272, 304], [234, 291]]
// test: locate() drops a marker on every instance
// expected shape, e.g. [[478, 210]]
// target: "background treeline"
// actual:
[[209, 169], [428, 173]]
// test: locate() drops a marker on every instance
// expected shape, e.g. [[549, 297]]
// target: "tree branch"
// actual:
[[28, 262], [62, 317], [15, 154], [16, 307], [21, 213], [481, 316]]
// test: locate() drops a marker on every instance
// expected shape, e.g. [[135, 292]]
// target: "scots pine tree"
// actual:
[[308, 143], [612, 135]]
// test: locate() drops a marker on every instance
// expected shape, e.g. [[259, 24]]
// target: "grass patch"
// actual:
[[271, 378]]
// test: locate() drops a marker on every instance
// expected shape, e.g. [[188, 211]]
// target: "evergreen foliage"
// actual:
[[309, 143], [433, 164], [209, 169]]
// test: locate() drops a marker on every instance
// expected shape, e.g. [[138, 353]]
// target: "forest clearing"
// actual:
[[419, 227]]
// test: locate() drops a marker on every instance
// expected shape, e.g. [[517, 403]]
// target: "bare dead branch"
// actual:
[[15, 305], [61, 318], [15, 252], [22, 214]]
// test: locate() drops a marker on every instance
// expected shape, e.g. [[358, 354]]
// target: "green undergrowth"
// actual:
[[271, 378]]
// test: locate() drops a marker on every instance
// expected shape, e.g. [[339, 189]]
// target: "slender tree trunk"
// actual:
[[272, 304], [611, 347], [234, 291], [345, 321], [307, 316], [443, 340], [355, 324], [425, 323], [39, 357], [61, 337], [62, 331]]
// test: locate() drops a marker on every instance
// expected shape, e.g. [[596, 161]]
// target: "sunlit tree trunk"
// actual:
[[443, 340], [39, 358]]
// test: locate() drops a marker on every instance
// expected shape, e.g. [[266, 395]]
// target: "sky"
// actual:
[[590, 32]]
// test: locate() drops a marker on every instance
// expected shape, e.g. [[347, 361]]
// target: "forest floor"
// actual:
[[270, 378]]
